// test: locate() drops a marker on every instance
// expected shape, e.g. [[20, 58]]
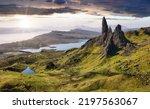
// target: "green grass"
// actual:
[[83, 69]]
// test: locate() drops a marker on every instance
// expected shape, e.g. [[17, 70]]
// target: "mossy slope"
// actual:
[[83, 69]]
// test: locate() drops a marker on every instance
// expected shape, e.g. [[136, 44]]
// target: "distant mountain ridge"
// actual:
[[98, 29], [54, 37]]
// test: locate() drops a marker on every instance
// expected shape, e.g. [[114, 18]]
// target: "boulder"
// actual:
[[51, 65]]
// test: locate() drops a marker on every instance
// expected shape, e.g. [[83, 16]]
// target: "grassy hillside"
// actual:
[[83, 69]]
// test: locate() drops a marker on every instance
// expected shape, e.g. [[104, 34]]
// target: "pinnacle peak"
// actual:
[[118, 27], [104, 26]]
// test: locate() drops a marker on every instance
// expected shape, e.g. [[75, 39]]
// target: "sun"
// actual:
[[24, 21]]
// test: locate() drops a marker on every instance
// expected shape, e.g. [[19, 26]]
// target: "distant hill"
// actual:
[[54, 37], [98, 29]]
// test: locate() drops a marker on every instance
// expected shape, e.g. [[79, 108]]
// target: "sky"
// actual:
[[42, 16], [138, 8]]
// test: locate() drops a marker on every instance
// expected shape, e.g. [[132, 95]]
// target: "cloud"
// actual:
[[60, 2], [14, 9], [138, 8]]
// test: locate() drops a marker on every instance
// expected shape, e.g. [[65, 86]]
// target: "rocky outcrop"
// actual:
[[146, 30], [51, 65], [104, 37], [119, 38], [110, 49], [112, 41]]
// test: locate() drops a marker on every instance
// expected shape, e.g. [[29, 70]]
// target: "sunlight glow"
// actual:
[[24, 21]]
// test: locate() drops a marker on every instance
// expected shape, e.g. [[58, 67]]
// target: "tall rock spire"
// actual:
[[119, 37], [111, 42], [104, 26]]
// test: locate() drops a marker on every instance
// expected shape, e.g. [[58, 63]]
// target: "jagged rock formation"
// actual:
[[109, 46], [112, 41], [119, 37]]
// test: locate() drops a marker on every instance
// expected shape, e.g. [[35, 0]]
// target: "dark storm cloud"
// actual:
[[14, 9], [60, 2], [140, 8]]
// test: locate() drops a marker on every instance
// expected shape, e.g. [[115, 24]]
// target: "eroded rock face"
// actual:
[[146, 30], [110, 49], [119, 38], [109, 45], [112, 41]]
